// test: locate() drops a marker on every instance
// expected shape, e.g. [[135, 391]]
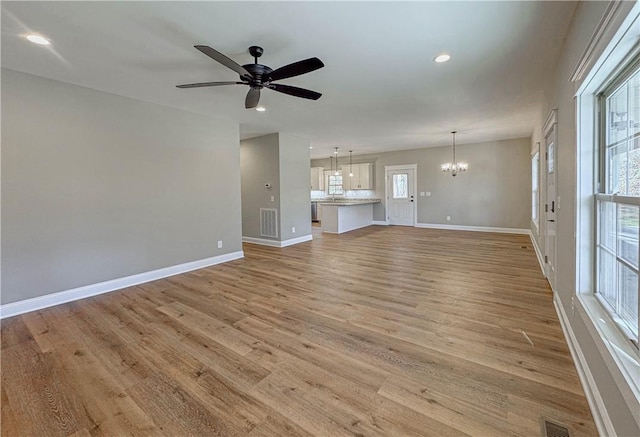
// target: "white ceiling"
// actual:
[[381, 89]]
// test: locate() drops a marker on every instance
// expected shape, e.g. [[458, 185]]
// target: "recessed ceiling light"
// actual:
[[38, 39], [261, 109], [311, 147], [442, 58]]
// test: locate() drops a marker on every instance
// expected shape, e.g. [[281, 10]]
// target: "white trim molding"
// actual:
[[49, 300], [380, 223], [538, 253], [609, 22], [596, 403], [475, 228], [276, 243], [550, 122]]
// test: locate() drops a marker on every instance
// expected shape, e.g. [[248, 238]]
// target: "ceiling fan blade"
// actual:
[[253, 97], [227, 62], [203, 84], [296, 69], [295, 91]]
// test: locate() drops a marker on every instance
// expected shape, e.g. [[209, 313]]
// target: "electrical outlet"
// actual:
[[448, 218], [219, 244], [273, 198], [293, 229]]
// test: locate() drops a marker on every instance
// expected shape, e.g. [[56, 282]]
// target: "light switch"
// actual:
[[428, 193], [421, 193], [273, 198]]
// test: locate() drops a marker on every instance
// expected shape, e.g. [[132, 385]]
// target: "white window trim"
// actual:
[[536, 222], [616, 349]]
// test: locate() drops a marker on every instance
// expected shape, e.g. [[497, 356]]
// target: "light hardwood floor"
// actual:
[[381, 331]]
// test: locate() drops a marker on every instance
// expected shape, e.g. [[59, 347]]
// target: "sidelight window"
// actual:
[[535, 187]]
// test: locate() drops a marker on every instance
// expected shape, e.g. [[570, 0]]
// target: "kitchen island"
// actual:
[[344, 215]]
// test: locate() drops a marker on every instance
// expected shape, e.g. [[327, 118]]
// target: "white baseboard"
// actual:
[[474, 228], [49, 300], [380, 223], [538, 254], [297, 240], [596, 404], [276, 243]]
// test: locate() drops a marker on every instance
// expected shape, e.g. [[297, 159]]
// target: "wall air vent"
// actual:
[[269, 222]]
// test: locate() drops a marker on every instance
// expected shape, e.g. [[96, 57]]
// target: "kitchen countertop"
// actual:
[[345, 202]]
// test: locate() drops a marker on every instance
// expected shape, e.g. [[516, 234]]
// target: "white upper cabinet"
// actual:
[[362, 178], [317, 179]]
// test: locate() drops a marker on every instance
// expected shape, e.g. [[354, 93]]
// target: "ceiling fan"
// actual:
[[259, 76]]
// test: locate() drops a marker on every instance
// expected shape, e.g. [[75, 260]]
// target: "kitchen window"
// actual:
[[335, 184]]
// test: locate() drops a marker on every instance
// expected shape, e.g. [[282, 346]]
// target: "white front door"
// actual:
[[401, 198], [551, 205]]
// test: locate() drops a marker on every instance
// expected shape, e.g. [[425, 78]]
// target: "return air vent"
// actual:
[[552, 429], [269, 222]]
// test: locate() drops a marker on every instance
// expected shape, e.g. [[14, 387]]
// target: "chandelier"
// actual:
[[454, 167]]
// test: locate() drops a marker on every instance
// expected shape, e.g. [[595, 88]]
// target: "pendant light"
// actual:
[[336, 153], [454, 167], [350, 164]]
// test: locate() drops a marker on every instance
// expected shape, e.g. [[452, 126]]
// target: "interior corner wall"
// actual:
[[259, 165], [98, 187], [560, 94], [295, 203]]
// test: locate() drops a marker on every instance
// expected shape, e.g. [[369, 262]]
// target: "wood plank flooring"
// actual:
[[383, 331]]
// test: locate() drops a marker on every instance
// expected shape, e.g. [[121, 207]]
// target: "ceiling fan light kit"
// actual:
[[259, 76]]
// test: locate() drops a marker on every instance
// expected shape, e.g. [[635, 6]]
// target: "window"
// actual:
[[618, 201], [335, 184], [400, 189], [535, 186]]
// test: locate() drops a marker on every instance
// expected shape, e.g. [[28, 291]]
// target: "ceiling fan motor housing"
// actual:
[[258, 71]]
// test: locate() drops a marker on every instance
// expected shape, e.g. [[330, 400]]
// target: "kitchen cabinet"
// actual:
[[317, 179], [362, 178]]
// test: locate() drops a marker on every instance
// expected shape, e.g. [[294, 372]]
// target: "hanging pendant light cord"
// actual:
[[454, 147]]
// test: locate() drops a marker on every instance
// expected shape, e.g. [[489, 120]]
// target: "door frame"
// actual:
[[387, 170], [550, 130]]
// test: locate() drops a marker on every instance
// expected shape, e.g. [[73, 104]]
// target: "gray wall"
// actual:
[[494, 192], [97, 186], [295, 201], [283, 161], [259, 164], [560, 94]]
